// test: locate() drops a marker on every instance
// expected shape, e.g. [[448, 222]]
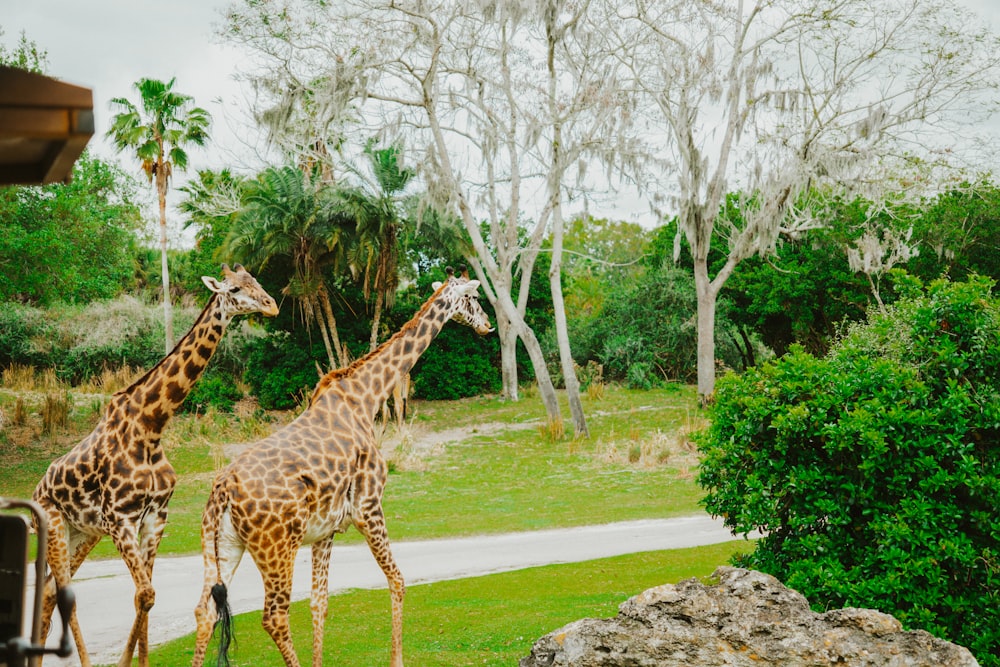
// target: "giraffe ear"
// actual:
[[470, 287], [436, 285], [213, 284]]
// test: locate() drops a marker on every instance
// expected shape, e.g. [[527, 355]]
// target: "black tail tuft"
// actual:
[[225, 623]]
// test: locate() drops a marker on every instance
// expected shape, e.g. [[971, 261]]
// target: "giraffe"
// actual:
[[117, 481], [315, 478]]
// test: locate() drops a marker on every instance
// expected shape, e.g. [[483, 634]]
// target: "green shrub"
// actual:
[[23, 330], [459, 363], [279, 370], [875, 472], [215, 389]]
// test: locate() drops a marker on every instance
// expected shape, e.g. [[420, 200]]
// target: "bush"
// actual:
[[874, 472], [279, 370], [215, 389], [652, 321], [459, 363], [23, 330]]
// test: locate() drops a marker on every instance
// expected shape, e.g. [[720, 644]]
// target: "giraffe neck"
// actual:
[[371, 379], [163, 389]]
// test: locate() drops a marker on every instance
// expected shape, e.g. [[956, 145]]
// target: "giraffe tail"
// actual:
[[225, 623]]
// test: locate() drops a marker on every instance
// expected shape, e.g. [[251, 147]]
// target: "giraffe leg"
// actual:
[[320, 595], [152, 534], [66, 550], [127, 542], [371, 524], [277, 597]]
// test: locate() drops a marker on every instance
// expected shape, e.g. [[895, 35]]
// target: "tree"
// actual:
[[959, 234], [50, 235], [378, 211], [502, 103], [157, 134], [212, 202], [784, 97], [295, 215], [872, 472]]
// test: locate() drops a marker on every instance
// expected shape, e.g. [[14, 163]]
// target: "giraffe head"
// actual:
[[241, 293], [466, 310]]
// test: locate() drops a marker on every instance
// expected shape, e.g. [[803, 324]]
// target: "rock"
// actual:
[[747, 618]]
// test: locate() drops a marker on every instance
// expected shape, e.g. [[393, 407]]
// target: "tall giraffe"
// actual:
[[314, 478], [117, 481]]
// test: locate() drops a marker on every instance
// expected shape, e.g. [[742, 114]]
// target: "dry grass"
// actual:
[[554, 430], [111, 380], [19, 377], [55, 412], [674, 449]]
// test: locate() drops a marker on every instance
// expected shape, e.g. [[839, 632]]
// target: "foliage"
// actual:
[[873, 471], [959, 233], [645, 333], [26, 55], [806, 290], [23, 332], [212, 202], [51, 235], [214, 389], [280, 370]]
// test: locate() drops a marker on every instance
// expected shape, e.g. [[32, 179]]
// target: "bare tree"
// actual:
[[501, 101], [779, 98]]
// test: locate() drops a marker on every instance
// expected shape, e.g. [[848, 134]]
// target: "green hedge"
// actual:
[[874, 472]]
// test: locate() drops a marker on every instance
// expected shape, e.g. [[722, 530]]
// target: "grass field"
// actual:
[[479, 465], [491, 620], [473, 466]]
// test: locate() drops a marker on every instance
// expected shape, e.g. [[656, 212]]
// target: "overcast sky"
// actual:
[[107, 45]]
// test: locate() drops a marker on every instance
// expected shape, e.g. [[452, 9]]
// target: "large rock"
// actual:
[[748, 618]]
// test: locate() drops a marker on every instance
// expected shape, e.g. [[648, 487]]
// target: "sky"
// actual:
[[107, 45]]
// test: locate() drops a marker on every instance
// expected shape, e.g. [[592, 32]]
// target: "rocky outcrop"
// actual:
[[747, 618]]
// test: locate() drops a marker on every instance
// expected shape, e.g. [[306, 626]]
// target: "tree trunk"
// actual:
[[707, 293], [555, 270], [376, 318], [565, 354], [504, 300], [545, 386], [313, 315], [331, 321], [508, 357], [168, 311]]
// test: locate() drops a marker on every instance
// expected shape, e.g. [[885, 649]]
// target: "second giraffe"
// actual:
[[314, 478]]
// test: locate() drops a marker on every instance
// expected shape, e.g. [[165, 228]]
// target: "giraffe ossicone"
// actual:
[[314, 478], [117, 481]]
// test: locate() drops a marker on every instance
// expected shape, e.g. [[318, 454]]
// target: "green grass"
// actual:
[[491, 620], [507, 474]]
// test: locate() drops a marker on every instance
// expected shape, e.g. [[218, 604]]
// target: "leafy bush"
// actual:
[[215, 389], [459, 363], [279, 369], [874, 472], [23, 329], [651, 321]]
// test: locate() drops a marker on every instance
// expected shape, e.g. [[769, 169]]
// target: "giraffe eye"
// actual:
[[234, 290]]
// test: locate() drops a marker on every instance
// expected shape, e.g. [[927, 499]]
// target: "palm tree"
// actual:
[[157, 133], [294, 214], [376, 206]]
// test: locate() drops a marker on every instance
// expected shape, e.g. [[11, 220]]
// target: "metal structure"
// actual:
[[15, 650]]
